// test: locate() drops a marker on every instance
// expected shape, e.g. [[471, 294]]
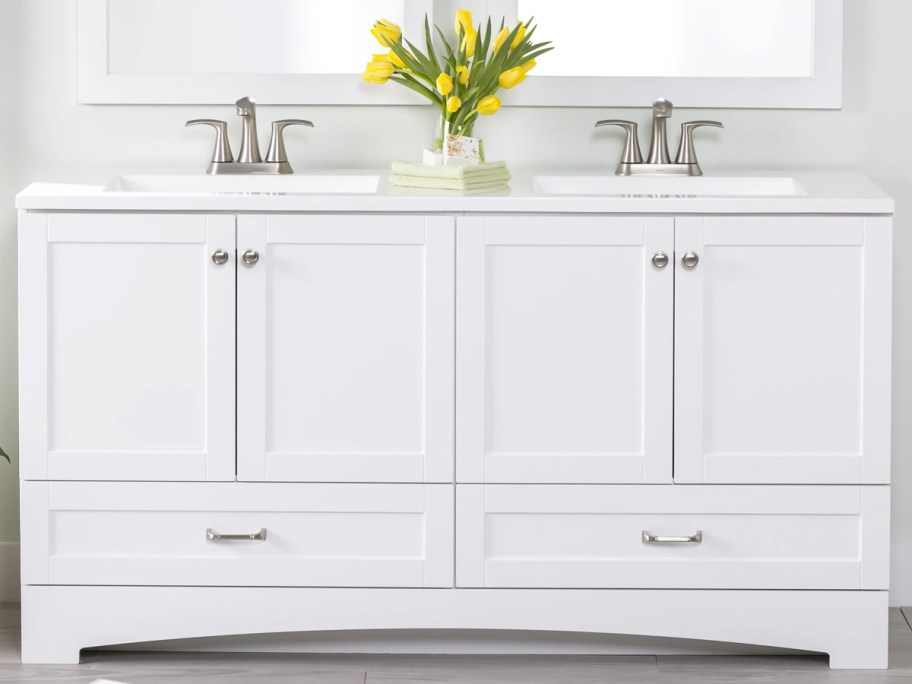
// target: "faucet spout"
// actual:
[[250, 146], [658, 150]]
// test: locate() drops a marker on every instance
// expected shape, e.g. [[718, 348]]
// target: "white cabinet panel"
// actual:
[[127, 347], [753, 537], [345, 349], [316, 534], [564, 350], [783, 350]]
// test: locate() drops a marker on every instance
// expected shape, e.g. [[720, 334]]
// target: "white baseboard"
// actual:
[[901, 576], [9, 572]]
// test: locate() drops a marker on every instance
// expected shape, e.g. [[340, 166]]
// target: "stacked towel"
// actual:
[[450, 177]]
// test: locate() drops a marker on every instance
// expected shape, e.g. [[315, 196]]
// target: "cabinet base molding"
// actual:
[[850, 626]]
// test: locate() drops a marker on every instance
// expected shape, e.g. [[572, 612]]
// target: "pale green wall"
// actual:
[[42, 128]]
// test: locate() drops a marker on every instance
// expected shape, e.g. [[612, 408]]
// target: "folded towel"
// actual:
[[456, 171], [486, 181]]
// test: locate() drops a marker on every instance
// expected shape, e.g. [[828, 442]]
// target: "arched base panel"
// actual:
[[851, 626]]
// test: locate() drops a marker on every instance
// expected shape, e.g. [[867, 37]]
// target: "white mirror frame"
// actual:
[[98, 86], [822, 91]]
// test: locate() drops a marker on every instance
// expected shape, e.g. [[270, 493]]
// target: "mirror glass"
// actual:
[[676, 38], [243, 37]]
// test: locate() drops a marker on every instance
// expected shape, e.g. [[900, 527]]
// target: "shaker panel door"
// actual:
[[345, 348], [127, 347], [782, 350], [564, 349]]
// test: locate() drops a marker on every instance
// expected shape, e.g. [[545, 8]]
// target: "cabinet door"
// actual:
[[345, 348], [126, 347], [782, 356], [564, 350]]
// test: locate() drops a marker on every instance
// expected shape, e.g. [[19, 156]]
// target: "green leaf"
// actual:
[[432, 55], [422, 59], [424, 91]]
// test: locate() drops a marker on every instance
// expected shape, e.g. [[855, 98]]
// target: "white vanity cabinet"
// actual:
[[564, 349], [782, 350], [345, 348], [455, 416], [127, 347]]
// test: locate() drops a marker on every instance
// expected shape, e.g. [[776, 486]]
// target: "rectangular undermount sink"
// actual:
[[292, 184], [669, 186]]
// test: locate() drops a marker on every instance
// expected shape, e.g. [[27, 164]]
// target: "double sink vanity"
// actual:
[[646, 405]]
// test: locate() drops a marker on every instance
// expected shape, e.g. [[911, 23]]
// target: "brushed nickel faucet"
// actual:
[[659, 163], [249, 160]]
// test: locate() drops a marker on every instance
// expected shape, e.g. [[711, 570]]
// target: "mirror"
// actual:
[[214, 51], [699, 53]]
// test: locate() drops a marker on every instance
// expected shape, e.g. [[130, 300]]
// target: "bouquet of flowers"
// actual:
[[462, 77]]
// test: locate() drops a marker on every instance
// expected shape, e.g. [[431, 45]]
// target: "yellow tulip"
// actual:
[[396, 60], [488, 105], [462, 74], [528, 66], [512, 77], [377, 72], [386, 32], [463, 21], [444, 84], [469, 42], [453, 104], [501, 37], [520, 34]]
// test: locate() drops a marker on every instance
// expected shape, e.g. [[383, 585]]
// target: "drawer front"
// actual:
[[750, 537], [315, 534]]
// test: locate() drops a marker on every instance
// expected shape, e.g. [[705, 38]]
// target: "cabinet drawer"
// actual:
[[753, 537], [315, 534]]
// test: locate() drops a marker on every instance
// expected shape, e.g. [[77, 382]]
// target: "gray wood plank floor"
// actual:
[[184, 668]]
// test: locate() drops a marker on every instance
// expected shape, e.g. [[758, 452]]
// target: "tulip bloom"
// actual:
[[512, 77], [528, 66], [520, 34], [501, 37], [395, 59], [378, 72], [488, 105], [463, 21], [462, 75], [453, 104], [469, 42], [386, 32], [444, 84]]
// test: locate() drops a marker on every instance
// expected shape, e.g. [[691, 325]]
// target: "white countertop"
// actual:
[[823, 193]]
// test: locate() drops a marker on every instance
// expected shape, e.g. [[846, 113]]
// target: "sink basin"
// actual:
[[274, 185], [668, 186]]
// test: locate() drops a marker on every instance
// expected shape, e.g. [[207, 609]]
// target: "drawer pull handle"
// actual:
[[213, 536], [649, 538]]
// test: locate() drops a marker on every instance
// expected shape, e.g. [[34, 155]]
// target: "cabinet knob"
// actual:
[[660, 260], [220, 257], [690, 260], [251, 257]]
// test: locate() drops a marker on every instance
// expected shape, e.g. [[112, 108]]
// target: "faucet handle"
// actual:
[[687, 154], [222, 151], [632, 154], [276, 153]]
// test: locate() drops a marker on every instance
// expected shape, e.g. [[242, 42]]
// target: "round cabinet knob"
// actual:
[[220, 257], [251, 257], [690, 260], [660, 260]]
